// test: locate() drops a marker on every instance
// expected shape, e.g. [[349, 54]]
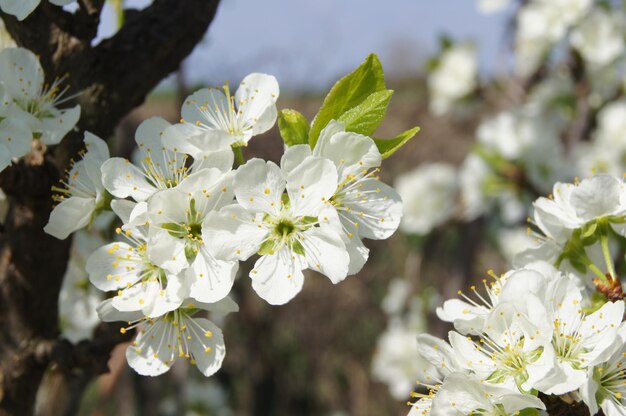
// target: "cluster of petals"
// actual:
[[188, 218], [531, 330], [28, 106], [573, 212]]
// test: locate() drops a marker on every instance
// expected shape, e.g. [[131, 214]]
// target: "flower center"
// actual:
[[284, 228]]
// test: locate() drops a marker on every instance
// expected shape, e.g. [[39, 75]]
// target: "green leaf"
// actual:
[[347, 93], [367, 116], [293, 126], [387, 147]]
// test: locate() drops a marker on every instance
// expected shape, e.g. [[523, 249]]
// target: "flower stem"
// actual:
[[239, 159], [598, 272], [606, 252]]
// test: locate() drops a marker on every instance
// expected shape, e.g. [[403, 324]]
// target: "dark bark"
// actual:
[[112, 78]]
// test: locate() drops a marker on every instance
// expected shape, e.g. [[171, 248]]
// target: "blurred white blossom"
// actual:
[[429, 195], [454, 77]]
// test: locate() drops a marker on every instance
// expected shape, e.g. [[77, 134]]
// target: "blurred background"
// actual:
[[508, 104]]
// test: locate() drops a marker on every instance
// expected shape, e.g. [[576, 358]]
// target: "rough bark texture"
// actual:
[[112, 77]]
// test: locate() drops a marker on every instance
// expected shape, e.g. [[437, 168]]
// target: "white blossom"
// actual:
[[180, 333], [140, 284], [579, 339], [600, 36], [605, 386], [462, 395], [514, 348], [473, 177], [29, 101], [289, 231], [365, 207], [78, 300], [82, 193], [175, 240], [513, 241], [453, 78], [428, 194], [158, 168], [574, 205], [213, 119]]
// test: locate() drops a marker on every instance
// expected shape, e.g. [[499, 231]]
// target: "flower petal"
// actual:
[[168, 206], [293, 157], [256, 98], [20, 71], [209, 279], [206, 345], [167, 299], [259, 186], [153, 351], [166, 251], [123, 179], [114, 266], [352, 153], [310, 186], [277, 277], [16, 137], [222, 160], [325, 252], [229, 234], [54, 129], [373, 207], [137, 297], [70, 215]]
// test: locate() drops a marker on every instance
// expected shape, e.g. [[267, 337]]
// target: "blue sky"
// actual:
[[308, 44]]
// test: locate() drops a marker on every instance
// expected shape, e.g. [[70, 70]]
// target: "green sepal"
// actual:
[[367, 116], [174, 228], [529, 412], [297, 247], [497, 376], [589, 229], [597, 301], [347, 93], [293, 127], [190, 254], [284, 198], [266, 248], [304, 221], [387, 147]]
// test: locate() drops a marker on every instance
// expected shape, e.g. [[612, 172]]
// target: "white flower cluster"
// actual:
[[189, 218], [394, 359], [29, 107], [566, 120], [594, 31], [453, 78], [538, 328]]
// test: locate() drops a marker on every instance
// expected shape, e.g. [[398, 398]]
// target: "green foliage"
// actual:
[[347, 93], [387, 147], [367, 116], [359, 100], [293, 126]]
